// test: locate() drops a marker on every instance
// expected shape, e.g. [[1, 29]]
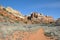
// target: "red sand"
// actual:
[[20, 35]]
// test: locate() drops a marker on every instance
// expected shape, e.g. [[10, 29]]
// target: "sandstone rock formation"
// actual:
[[39, 18], [15, 12], [34, 18]]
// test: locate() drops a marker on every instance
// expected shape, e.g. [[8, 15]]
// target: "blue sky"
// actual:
[[46, 7]]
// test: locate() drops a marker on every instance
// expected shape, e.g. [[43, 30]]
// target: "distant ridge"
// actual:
[[15, 15]]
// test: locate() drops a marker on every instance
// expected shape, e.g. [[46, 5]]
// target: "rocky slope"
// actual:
[[39, 18], [15, 26], [17, 16], [10, 15]]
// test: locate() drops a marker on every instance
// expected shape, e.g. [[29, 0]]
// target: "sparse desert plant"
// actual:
[[7, 16], [25, 22], [16, 21], [49, 34], [1, 14]]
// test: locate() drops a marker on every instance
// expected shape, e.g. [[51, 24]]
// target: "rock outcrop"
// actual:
[[10, 16], [39, 18], [14, 12], [34, 18]]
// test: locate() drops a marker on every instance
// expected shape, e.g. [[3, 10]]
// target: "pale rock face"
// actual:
[[38, 15], [41, 16], [50, 19], [14, 12]]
